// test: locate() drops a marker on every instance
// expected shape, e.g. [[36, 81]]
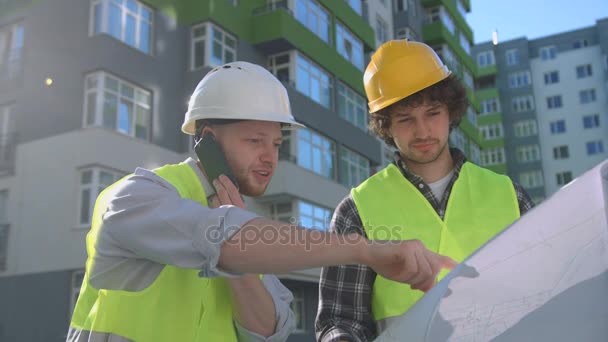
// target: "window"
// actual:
[[354, 168], [580, 43], [316, 153], [493, 156], [314, 217], [381, 30], [445, 53], [486, 58], [512, 56], [468, 79], [519, 79], [308, 78], [464, 42], [8, 132], [563, 178], [348, 46], [461, 9], [4, 228], [211, 46], [436, 14], [279, 66], [351, 106], [129, 21], [298, 306], [77, 279], [558, 127], [92, 182], [587, 96], [117, 105], [554, 101], [551, 77], [355, 5], [547, 52], [591, 121], [401, 5], [312, 81], [595, 147], [405, 33], [474, 153], [522, 103], [583, 71], [561, 152], [457, 139], [525, 128], [283, 212], [528, 153], [314, 17], [490, 132], [11, 49], [531, 179], [490, 106]]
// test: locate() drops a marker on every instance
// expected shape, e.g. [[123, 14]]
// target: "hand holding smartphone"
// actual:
[[213, 160]]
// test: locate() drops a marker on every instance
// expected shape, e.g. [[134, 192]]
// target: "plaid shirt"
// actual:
[[345, 292]]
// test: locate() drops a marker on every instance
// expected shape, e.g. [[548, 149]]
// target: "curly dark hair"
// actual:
[[449, 91]]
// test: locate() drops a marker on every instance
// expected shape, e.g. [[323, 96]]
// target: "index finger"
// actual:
[[447, 262]]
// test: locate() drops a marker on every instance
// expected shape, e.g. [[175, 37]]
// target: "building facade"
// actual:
[[544, 103]]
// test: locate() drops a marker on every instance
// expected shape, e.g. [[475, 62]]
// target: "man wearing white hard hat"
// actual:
[[170, 253]]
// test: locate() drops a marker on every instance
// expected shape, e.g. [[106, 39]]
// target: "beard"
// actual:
[[413, 156]]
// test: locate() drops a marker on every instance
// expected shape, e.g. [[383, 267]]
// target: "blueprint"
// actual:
[[544, 278]]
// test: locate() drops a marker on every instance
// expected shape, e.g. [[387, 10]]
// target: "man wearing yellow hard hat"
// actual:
[[174, 255], [430, 192]]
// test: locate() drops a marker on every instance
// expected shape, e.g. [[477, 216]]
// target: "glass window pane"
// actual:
[[144, 37], [216, 53], [105, 178], [85, 205], [132, 6], [306, 209], [127, 91], [115, 21], [110, 109], [125, 116], [199, 54], [141, 122], [86, 177], [91, 107], [145, 13], [111, 83], [130, 30]]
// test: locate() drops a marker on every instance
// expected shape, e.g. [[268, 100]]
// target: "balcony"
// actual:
[[8, 146], [4, 234], [275, 29]]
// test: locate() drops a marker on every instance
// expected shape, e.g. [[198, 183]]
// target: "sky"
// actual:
[[532, 18]]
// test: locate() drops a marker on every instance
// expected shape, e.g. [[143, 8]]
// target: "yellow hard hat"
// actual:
[[399, 69]]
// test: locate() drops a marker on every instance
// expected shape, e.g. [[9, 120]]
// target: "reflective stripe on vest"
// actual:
[[178, 306], [481, 204]]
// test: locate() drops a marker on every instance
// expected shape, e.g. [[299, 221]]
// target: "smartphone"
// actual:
[[212, 158]]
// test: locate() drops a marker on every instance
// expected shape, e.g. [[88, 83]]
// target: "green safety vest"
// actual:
[[178, 306], [481, 204]]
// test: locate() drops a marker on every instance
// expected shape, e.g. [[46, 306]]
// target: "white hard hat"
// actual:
[[239, 91]]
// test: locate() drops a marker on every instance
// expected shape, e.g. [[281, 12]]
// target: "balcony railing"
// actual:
[[4, 234], [8, 145], [271, 7]]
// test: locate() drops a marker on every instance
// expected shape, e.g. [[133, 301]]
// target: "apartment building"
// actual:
[[544, 103]]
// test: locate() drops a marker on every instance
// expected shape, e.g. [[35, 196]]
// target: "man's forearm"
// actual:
[[266, 246], [253, 306]]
